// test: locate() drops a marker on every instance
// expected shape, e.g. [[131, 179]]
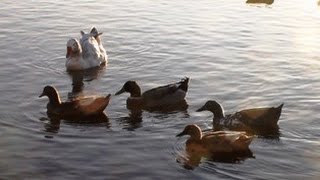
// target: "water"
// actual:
[[240, 55]]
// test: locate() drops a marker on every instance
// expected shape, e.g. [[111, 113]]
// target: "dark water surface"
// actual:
[[242, 55]]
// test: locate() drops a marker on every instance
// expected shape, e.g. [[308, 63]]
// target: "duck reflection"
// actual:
[[79, 77], [195, 155], [133, 120], [220, 146], [260, 2], [53, 124], [179, 106]]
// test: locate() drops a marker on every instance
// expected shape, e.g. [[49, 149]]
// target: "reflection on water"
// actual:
[[132, 121], [260, 1], [180, 106], [194, 156], [78, 78], [239, 55], [52, 123]]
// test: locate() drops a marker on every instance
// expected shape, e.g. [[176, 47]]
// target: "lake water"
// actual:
[[243, 56]]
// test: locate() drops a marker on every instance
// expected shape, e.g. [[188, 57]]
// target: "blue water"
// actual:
[[243, 56]]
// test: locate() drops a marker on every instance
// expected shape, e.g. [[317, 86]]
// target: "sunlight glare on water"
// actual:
[[241, 55]]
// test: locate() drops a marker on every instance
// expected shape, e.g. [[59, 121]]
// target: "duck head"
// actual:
[[192, 130], [214, 107], [131, 87], [93, 33], [52, 94], [73, 48]]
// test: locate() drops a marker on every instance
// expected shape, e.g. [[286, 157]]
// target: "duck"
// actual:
[[87, 53], [97, 35], [77, 107], [250, 120], [215, 142], [157, 98], [269, 2], [75, 61], [93, 49]]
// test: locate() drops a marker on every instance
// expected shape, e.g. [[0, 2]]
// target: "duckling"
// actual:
[[171, 94], [247, 120], [85, 106], [215, 142], [260, 1]]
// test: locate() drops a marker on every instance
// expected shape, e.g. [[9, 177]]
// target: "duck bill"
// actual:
[[69, 52], [201, 109], [181, 134], [122, 90], [99, 34], [41, 95]]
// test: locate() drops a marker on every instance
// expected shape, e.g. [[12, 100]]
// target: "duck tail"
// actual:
[[184, 84], [280, 107], [278, 112]]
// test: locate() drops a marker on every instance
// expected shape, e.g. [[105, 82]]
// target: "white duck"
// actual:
[[87, 54], [92, 46], [74, 57]]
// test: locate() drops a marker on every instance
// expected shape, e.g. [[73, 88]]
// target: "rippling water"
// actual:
[[242, 55]]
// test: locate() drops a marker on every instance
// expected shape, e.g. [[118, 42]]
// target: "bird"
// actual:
[[215, 142], [269, 2], [86, 53], [160, 97], [250, 120], [78, 107], [92, 46], [75, 61]]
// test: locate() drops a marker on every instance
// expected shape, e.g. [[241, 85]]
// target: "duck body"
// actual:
[[86, 54], [215, 142], [246, 120], [93, 49], [163, 96], [86, 106], [74, 57]]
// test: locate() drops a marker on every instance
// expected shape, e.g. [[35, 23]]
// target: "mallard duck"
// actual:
[[171, 94], [247, 120], [93, 49], [85, 106], [260, 1], [215, 142]]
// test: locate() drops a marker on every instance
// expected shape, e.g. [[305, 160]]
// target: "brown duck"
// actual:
[[85, 106], [215, 142], [158, 97], [246, 120]]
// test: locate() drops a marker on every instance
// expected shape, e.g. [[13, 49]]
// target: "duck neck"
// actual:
[[135, 91], [196, 136], [218, 113], [54, 99]]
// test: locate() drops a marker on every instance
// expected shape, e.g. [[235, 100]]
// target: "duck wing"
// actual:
[[84, 106], [227, 141], [90, 50], [261, 117], [167, 90]]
